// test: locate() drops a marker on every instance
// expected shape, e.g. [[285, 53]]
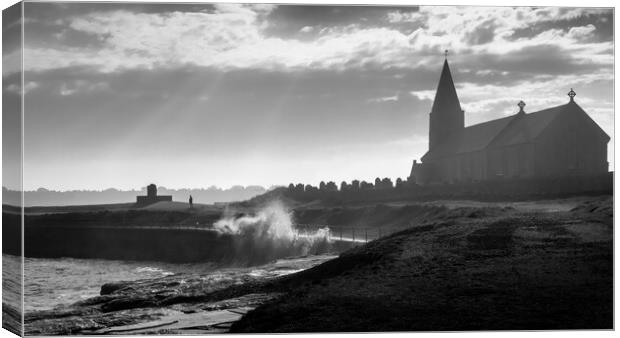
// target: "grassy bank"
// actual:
[[511, 270]]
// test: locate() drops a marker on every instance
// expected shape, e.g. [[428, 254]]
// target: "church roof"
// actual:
[[472, 138], [528, 127], [514, 129]]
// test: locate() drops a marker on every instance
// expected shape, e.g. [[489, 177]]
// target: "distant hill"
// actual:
[[44, 197]]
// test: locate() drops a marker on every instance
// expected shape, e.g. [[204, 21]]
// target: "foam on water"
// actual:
[[62, 281], [53, 281], [153, 270]]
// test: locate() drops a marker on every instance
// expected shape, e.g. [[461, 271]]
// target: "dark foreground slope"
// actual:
[[461, 268], [522, 271]]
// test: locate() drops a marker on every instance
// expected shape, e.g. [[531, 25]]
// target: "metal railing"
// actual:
[[358, 234], [346, 233]]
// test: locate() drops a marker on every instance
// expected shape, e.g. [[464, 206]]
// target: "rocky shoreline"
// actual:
[[176, 304]]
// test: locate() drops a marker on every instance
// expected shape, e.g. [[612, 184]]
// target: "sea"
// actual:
[[50, 282]]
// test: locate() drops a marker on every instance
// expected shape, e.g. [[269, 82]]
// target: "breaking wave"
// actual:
[[269, 234]]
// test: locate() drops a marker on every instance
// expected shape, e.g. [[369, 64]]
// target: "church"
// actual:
[[560, 141]]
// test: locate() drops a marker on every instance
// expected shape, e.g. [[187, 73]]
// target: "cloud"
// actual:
[[428, 95], [399, 16], [11, 62], [286, 21], [16, 88], [30, 85], [82, 86], [232, 36], [580, 33], [483, 33], [479, 30], [228, 38], [383, 99]]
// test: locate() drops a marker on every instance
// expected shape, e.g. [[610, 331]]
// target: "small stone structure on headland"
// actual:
[[152, 197]]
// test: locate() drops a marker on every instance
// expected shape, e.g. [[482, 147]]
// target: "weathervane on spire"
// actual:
[[445, 53], [571, 94]]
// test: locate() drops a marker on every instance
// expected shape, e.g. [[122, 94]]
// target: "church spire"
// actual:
[[446, 97], [446, 116]]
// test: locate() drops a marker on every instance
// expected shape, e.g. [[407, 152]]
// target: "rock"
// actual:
[[128, 303], [108, 288], [180, 297]]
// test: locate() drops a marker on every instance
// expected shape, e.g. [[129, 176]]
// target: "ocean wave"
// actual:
[[153, 271], [269, 234]]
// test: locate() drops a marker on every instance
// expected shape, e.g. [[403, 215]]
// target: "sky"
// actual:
[[195, 95]]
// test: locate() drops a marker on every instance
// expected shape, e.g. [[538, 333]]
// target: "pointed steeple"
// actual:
[[445, 97], [446, 116]]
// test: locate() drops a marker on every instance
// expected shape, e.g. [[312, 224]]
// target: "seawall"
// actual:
[[159, 244], [127, 243]]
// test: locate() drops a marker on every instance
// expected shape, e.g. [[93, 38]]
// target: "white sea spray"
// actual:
[[270, 233]]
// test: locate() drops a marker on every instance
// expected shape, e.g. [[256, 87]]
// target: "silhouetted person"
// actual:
[[191, 202]]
